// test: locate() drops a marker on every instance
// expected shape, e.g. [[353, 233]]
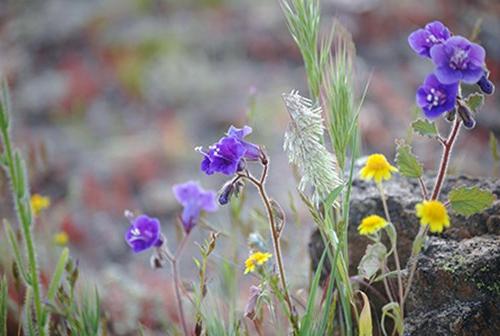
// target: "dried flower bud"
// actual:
[[251, 306], [465, 113], [158, 258]]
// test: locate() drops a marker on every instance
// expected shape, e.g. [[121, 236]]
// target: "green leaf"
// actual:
[[425, 128], [307, 320], [3, 306], [468, 201], [58, 273], [475, 101], [407, 163], [393, 311], [372, 260], [365, 318]]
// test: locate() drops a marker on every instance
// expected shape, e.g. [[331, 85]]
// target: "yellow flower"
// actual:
[[256, 258], [433, 213], [39, 203], [371, 224], [377, 168], [61, 238]]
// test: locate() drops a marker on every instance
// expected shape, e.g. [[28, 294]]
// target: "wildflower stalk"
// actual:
[[395, 250], [15, 169], [275, 233], [443, 166], [177, 282]]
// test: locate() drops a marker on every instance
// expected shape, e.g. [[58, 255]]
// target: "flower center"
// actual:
[[435, 212], [376, 163], [434, 39], [459, 60], [435, 98]]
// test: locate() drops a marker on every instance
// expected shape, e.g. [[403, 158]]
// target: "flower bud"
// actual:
[[465, 113], [486, 85], [225, 193], [450, 115]]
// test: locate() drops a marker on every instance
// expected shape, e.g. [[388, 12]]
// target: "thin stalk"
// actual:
[[177, 283], [260, 185], [448, 146], [26, 223], [178, 298], [395, 250], [423, 188], [443, 166], [423, 232]]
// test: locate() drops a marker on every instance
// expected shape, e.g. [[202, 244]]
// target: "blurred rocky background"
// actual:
[[110, 98]]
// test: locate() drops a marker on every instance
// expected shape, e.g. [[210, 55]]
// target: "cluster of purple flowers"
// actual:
[[456, 60], [228, 156], [144, 232]]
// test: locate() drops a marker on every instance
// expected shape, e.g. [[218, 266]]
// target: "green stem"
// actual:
[[443, 166], [26, 225], [395, 251]]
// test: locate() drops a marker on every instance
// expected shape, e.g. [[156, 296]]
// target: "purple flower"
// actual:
[[436, 98], [458, 59], [228, 155], [422, 40], [194, 199], [143, 233], [252, 150]]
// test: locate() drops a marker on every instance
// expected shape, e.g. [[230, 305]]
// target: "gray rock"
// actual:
[[457, 283], [456, 290]]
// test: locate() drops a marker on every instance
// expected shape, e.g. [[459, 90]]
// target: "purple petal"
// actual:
[[438, 30], [239, 133], [417, 41], [207, 201], [439, 54], [194, 199], [143, 233], [447, 75], [186, 191], [472, 75]]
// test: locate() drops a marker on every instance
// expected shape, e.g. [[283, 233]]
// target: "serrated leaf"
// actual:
[[474, 101], [425, 128], [372, 260], [468, 201], [408, 164]]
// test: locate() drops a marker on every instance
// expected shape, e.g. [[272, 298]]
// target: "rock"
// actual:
[[457, 282], [456, 290]]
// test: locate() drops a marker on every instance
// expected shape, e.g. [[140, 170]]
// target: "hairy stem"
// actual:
[[443, 166], [25, 219], [260, 185]]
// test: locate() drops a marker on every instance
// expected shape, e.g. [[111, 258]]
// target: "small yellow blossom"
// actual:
[[371, 224], [256, 258], [39, 203], [377, 168], [433, 213], [61, 238]]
